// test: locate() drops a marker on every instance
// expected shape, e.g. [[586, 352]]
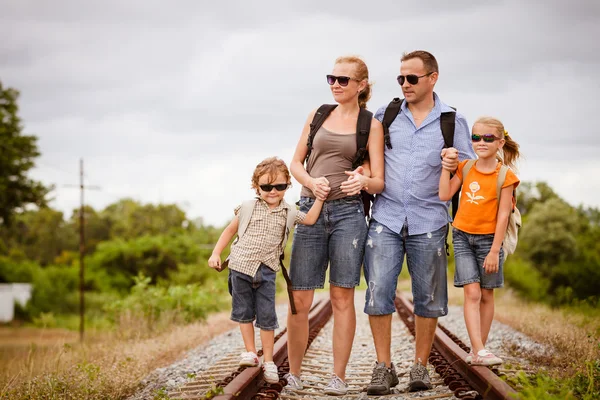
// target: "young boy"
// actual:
[[254, 258]]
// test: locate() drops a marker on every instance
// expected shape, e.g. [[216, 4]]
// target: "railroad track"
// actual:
[[451, 377]]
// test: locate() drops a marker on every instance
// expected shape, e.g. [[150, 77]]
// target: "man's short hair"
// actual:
[[428, 59]]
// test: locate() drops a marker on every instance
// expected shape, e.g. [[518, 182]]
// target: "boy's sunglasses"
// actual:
[[342, 80], [488, 138], [412, 79], [280, 187]]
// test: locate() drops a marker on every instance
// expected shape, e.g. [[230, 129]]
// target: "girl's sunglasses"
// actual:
[[279, 187], [342, 80], [488, 138], [412, 79]]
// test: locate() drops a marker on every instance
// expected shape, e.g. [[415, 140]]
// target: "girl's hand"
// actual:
[[355, 183], [449, 159], [491, 262], [214, 262], [320, 187]]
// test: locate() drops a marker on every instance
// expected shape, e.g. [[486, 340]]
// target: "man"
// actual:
[[408, 218]]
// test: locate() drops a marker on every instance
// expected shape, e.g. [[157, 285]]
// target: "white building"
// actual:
[[11, 293]]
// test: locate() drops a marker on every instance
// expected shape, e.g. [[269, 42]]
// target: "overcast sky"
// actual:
[[177, 102]]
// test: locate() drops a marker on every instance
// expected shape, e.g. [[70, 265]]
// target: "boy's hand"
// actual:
[[215, 262], [320, 188], [490, 264], [450, 159]]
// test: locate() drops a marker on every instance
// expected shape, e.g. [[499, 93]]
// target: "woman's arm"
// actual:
[[319, 186]]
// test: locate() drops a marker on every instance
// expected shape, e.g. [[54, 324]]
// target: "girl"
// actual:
[[338, 238], [480, 226]]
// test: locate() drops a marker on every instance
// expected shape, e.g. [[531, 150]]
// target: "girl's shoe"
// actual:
[[484, 357], [293, 382], [249, 359], [270, 372]]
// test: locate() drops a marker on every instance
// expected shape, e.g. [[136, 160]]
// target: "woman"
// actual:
[[338, 237]]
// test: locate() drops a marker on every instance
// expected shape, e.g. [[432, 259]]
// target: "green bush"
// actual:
[[524, 278]]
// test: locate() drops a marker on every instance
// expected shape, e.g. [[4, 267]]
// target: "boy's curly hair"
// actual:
[[270, 166]]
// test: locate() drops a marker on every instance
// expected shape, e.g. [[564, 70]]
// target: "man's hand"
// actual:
[[355, 183], [450, 159]]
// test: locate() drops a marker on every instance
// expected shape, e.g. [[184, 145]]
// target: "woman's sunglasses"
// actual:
[[342, 80], [279, 187], [488, 138], [412, 79]]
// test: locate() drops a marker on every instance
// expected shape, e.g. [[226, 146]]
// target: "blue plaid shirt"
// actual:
[[412, 171]]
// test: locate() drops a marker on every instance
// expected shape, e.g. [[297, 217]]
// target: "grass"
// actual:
[[51, 363]]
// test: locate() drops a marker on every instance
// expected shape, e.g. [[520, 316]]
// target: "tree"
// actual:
[[17, 152]]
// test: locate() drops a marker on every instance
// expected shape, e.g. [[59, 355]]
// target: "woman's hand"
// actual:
[[320, 187], [355, 183]]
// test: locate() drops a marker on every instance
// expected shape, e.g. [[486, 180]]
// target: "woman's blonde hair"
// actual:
[[271, 166], [510, 150], [362, 73]]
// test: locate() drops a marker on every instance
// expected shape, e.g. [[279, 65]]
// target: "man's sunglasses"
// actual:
[[488, 138], [279, 187], [342, 80], [412, 79]]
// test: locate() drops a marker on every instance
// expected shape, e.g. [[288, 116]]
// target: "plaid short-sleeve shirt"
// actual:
[[261, 243]]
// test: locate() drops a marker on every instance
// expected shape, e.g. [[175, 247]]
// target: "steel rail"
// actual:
[[484, 381]]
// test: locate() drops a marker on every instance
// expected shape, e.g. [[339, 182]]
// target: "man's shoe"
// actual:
[[419, 378], [383, 379]]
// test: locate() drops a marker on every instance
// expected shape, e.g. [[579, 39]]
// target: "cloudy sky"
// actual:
[[177, 102]]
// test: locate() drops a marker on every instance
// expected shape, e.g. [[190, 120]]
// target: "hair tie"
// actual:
[[505, 132]]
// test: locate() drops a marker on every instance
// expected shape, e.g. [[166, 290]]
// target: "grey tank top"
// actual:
[[331, 156]]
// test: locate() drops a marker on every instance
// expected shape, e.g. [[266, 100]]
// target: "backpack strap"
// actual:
[[291, 221], [500, 182], [363, 128], [447, 124], [318, 120], [467, 168], [391, 112], [244, 216]]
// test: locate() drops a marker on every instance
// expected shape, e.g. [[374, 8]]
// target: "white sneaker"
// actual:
[[469, 357], [336, 386], [270, 372], [293, 382], [249, 359], [486, 358]]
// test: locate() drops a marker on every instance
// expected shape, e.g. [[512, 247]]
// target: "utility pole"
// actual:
[[82, 188]]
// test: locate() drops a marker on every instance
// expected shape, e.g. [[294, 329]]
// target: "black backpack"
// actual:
[[447, 124], [363, 128]]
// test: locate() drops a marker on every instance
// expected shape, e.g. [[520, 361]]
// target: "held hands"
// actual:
[[449, 159], [490, 264], [355, 183], [320, 188], [215, 262]]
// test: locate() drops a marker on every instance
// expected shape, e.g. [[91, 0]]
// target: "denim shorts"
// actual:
[[254, 298], [337, 239], [427, 266], [470, 251]]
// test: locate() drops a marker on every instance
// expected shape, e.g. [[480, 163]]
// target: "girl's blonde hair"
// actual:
[[362, 73], [271, 166], [510, 150]]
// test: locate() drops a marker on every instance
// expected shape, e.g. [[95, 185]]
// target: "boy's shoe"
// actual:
[[293, 382], [419, 378], [336, 386], [486, 358], [469, 358], [383, 379], [270, 372], [249, 359]]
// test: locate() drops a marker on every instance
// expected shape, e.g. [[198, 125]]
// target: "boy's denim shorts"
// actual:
[[337, 239], [254, 298], [427, 265], [470, 251]]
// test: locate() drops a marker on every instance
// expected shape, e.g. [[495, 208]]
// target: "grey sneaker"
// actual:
[[293, 382], [419, 378], [336, 386], [383, 379]]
